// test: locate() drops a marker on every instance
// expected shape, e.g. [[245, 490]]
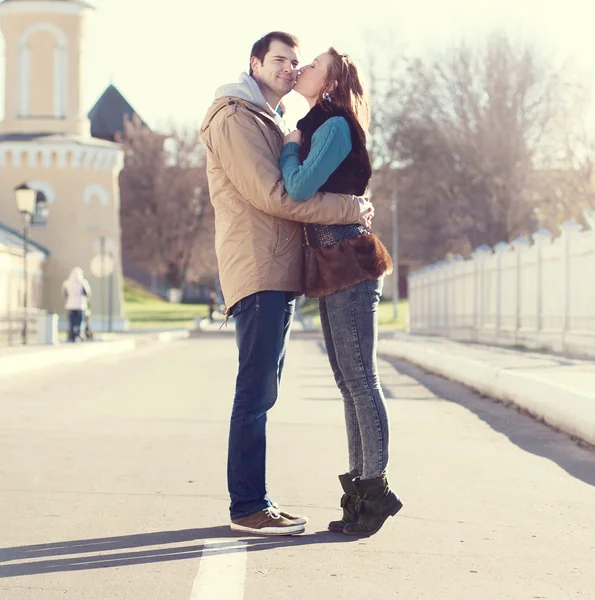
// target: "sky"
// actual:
[[168, 56]]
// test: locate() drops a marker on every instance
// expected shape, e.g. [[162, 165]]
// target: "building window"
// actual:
[[46, 196], [60, 66], [40, 216]]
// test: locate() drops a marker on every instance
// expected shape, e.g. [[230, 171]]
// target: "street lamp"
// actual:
[[26, 199], [394, 209]]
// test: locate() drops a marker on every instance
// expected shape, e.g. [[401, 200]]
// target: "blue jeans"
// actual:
[[263, 321], [75, 320], [349, 320]]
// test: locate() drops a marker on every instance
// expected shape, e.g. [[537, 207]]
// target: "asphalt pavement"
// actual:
[[112, 486]]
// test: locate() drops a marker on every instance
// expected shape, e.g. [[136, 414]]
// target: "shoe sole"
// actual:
[[292, 530], [369, 533]]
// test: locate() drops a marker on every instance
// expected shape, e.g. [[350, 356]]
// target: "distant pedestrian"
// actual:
[[77, 291]]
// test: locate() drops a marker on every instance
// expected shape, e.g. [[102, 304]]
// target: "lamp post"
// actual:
[[395, 256], [26, 199]]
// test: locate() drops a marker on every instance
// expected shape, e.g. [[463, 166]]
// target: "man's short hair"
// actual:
[[263, 45]]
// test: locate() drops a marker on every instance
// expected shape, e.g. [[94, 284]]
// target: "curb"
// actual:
[[565, 408], [171, 336], [44, 357], [203, 325]]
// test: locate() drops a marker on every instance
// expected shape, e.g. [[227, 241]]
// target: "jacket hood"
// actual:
[[245, 89]]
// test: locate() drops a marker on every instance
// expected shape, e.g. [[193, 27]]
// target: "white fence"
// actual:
[[538, 294]]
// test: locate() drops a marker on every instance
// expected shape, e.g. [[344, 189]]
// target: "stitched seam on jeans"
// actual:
[[374, 297], [324, 316], [380, 436], [243, 475]]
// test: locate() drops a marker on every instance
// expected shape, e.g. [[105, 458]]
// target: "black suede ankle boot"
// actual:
[[348, 504], [376, 502]]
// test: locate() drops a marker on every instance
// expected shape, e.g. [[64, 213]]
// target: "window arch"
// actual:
[[40, 218], [97, 190], [60, 69], [45, 188]]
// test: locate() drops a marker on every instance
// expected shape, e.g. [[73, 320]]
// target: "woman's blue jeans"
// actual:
[[262, 323], [349, 321]]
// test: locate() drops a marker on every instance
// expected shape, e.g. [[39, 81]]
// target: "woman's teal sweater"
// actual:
[[331, 143]]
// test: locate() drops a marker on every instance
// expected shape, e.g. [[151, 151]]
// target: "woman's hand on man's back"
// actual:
[[294, 136]]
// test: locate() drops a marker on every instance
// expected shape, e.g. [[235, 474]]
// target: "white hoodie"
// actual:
[[247, 89], [77, 290]]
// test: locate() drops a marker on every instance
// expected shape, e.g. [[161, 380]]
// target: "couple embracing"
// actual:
[[291, 218]]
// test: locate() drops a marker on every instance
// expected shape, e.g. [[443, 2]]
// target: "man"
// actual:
[[258, 241]]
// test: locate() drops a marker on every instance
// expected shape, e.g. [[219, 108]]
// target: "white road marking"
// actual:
[[222, 571]]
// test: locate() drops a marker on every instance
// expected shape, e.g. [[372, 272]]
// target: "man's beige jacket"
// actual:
[[258, 237]]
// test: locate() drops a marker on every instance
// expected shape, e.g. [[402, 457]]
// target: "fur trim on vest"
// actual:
[[334, 268]]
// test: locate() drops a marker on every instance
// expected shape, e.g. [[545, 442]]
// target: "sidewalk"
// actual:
[[204, 325], [557, 389], [20, 359]]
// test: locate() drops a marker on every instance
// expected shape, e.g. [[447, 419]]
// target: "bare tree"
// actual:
[[165, 204], [470, 126], [564, 188]]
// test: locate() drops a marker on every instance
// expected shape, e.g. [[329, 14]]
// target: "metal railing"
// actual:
[[11, 326], [538, 295]]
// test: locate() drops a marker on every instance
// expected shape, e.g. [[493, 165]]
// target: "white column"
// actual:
[[479, 256], [520, 244], [540, 239], [500, 248], [569, 229], [60, 81], [24, 80], [413, 297]]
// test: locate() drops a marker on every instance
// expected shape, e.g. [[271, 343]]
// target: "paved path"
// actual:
[[559, 390], [112, 486]]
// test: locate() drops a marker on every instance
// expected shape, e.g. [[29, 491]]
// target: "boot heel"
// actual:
[[396, 509]]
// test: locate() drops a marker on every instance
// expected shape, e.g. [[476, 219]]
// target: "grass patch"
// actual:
[[146, 310], [385, 313]]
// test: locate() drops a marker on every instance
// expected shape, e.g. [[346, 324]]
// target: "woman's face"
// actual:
[[311, 77]]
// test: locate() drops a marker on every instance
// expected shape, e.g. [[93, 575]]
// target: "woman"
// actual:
[[345, 265], [77, 291]]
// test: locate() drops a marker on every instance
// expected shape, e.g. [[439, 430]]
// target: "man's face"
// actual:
[[277, 72]]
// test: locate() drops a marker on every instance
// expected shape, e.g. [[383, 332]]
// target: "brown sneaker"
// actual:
[[266, 522], [297, 519]]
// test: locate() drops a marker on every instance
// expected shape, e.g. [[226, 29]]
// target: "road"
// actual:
[[112, 486]]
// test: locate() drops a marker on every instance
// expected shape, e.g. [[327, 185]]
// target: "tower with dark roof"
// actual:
[[109, 113], [45, 140]]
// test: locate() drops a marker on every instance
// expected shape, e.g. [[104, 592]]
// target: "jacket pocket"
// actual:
[[277, 237], [288, 237]]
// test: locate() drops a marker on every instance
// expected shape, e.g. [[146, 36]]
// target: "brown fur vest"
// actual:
[[329, 269], [337, 267]]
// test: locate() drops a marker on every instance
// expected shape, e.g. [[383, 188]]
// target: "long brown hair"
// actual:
[[350, 93]]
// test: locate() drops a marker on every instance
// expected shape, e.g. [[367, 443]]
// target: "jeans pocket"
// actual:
[[235, 309], [248, 303]]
